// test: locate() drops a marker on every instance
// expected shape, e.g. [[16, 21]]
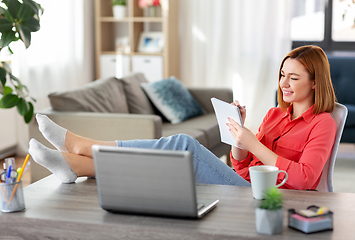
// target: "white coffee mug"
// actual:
[[263, 177]]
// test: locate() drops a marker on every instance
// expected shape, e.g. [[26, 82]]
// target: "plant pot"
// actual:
[[152, 11], [119, 11], [269, 221]]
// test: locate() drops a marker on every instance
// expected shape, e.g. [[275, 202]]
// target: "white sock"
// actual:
[[54, 133], [53, 160]]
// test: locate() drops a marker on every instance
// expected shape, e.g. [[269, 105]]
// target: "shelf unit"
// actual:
[[109, 29]]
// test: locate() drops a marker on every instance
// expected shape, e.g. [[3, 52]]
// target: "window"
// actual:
[[329, 24]]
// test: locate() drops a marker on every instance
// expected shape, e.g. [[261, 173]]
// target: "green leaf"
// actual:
[[25, 35], [22, 107], [32, 24], [28, 116], [14, 78], [3, 76], [9, 101], [10, 50], [35, 6], [7, 38], [7, 90], [13, 7], [6, 2], [5, 25], [25, 12], [6, 67], [2, 10]]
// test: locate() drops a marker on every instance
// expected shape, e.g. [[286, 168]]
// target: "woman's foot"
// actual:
[[52, 160], [54, 133]]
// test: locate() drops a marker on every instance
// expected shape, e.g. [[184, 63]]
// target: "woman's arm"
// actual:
[[245, 139], [314, 150], [305, 172]]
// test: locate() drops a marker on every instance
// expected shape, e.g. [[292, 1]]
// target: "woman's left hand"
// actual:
[[243, 137]]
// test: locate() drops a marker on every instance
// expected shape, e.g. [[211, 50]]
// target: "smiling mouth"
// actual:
[[287, 92]]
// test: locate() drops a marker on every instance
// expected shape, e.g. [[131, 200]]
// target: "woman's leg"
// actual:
[[66, 141], [66, 166], [208, 168]]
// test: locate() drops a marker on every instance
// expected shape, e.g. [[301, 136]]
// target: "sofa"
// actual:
[[119, 109], [342, 70]]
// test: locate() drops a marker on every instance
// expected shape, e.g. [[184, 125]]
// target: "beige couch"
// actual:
[[78, 112]]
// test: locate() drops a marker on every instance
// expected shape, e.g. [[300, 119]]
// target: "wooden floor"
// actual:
[[26, 177]]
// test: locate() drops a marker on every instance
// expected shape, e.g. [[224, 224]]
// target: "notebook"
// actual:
[[148, 182], [224, 110]]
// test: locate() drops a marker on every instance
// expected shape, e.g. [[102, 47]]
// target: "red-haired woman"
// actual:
[[296, 137]]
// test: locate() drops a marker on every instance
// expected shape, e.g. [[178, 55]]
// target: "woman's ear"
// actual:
[[314, 84]]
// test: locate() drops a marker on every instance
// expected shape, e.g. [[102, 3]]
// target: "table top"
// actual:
[[56, 210]]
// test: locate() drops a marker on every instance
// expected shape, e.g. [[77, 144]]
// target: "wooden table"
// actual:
[[72, 211]]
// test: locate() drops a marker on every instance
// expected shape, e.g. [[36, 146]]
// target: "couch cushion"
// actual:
[[173, 100], [103, 95], [195, 133], [204, 124], [137, 100]]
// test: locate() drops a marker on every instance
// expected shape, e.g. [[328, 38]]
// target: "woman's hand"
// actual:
[[244, 138], [242, 109]]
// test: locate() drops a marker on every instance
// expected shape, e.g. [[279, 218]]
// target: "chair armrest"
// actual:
[[106, 126], [204, 95]]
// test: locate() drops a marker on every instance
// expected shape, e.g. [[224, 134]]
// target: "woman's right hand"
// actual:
[[242, 109]]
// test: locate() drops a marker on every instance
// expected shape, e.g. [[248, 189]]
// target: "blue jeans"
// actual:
[[208, 168]]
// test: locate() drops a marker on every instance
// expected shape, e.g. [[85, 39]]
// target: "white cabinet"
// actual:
[[114, 65], [150, 66], [113, 35]]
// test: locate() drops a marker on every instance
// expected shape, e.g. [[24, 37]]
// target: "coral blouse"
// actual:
[[303, 146]]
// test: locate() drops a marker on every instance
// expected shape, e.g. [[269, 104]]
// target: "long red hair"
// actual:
[[316, 62]]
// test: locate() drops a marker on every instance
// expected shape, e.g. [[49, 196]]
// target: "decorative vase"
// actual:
[[152, 11], [269, 221], [119, 11]]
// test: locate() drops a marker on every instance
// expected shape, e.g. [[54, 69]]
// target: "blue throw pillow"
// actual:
[[172, 99]]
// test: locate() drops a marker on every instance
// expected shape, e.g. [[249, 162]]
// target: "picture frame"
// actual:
[[122, 45], [151, 42]]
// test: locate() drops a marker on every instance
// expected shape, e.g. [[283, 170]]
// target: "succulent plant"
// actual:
[[272, 199]]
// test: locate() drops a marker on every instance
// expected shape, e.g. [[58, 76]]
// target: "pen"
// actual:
[[19, 176], [8, 174]]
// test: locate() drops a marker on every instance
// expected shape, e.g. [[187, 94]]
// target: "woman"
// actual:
[[291, 136]]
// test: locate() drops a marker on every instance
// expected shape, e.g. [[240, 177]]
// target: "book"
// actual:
[[224, 110]]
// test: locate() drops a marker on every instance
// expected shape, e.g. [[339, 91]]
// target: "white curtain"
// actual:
[[61, 55], [235, 43]]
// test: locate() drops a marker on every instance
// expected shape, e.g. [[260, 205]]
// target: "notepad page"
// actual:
[[224, 110]]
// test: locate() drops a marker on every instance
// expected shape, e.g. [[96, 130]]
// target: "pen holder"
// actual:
[[11, 197]]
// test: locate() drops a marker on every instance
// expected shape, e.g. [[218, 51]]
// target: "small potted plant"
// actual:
[[151, 5], [269, 214], [119, 8]]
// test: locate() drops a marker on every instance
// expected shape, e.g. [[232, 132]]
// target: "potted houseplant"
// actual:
[[17, 21], [151, 5], [119, 8], [269, 213]]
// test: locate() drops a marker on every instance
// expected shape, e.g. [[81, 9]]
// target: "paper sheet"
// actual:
[[224, 110]]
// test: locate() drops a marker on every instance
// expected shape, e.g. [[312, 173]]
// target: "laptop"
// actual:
[[148, 182]]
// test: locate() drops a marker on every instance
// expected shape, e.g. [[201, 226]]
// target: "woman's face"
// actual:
[[296, 84]]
